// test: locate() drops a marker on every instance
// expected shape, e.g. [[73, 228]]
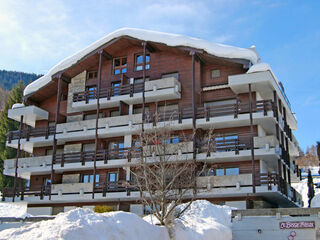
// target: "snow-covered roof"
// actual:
[[173, 40]]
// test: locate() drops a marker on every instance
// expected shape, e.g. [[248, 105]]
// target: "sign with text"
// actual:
[[297, 225]]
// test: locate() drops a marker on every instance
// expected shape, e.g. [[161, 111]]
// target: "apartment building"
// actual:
[[80, 121]]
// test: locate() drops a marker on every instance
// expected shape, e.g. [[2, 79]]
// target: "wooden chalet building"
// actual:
[[79, 121]]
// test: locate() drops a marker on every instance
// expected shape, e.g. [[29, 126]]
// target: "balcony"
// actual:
[[206, 118], [107, 127], [155, 90], [71, 191], [265, 83], [30, 114], [31, 137]]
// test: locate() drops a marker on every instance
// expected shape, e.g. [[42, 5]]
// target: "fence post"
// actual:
[[236, 112], [62, 160]]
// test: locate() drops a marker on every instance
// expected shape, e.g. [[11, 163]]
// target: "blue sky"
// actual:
[[35, 35]]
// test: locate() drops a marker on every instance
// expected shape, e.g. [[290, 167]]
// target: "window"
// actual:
[[232, 171], [169, 75], [219, 171], [114, 113], [91, 90], [92, 75], [172, 139], [137, 110], [86, 147], [219, 103], [46, 182], [88, 178], [91, 116], [140, 80], [139, 62], [215, 73], [227, 171], [168, 108], [119, 65], [115, 88]]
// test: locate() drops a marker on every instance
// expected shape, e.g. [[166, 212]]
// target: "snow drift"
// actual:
[[201, 221], [204, 221], [83, 224]]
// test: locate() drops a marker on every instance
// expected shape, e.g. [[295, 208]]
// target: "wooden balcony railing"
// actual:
[[208, 112], [273, 179], [41, 191], [151, 117], [31, 132], [128, 89], [226, 144], [88, 156]]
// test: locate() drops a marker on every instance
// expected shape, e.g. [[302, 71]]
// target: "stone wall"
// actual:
[[78, 84]]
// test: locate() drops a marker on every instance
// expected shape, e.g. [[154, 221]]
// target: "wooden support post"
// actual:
[[97, 124], [252, 142], [17, 159], [194, 128], [275, 107], [236, 110], [144, 44], [54, 147]]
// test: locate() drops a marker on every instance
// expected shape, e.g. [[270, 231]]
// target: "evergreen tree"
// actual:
[[310, 188], [6, 125]]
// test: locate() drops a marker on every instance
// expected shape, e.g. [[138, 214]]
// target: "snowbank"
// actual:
[[18, 210], [204, 221], [201, 221], [84, 224], [172, 40]]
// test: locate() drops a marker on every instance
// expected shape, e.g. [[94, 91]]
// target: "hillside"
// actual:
[[8, 79]]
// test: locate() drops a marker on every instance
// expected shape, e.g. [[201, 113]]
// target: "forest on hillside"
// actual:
[[8, 79]]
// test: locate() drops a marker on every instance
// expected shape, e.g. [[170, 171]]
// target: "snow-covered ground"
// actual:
[[202, 221]]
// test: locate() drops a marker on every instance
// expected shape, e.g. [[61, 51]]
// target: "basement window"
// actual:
[[138, 62], [119, 65]]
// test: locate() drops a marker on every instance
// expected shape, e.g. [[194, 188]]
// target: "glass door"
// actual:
[[112, 179]]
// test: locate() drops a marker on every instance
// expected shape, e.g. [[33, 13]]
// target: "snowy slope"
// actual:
[[302, 188], [173, 40], [84, 224]]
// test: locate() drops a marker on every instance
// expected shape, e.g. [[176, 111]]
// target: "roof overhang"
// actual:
[[172, 40]]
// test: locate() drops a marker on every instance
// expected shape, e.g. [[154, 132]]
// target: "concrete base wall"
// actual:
[[37, 211]]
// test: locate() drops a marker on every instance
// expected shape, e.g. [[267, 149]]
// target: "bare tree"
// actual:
[[165, 171]]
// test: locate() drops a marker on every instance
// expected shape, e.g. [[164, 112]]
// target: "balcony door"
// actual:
[[116, 149], [112, 179]]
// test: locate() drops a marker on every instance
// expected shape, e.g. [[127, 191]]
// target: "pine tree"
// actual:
[[310, 188], [6, 125]]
